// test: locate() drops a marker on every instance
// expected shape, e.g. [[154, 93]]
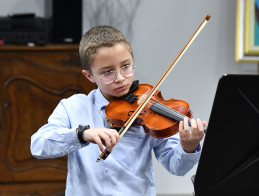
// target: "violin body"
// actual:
[[153, 118]]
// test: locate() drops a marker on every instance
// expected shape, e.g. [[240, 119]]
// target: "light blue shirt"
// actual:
[[128, 170]]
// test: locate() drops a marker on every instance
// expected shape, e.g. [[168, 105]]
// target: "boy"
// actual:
[[107, 60]]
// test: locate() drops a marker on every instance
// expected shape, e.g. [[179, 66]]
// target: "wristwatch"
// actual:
[[80, 131]]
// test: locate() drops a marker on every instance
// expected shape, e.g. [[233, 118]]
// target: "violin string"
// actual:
[[167, 109], [171, 111], [176, 113]]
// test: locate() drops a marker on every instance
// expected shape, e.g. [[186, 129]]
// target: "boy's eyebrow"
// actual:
[[111, 66], [105, 68], [125, 60]]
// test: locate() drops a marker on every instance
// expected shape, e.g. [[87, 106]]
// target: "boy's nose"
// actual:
[[119, 77]]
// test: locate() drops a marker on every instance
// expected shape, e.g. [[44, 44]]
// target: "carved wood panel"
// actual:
[[32, 83]]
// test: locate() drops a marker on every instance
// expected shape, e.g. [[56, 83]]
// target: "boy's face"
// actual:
[[107, 60]]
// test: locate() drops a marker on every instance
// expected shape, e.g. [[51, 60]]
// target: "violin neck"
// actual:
[[168, 112]]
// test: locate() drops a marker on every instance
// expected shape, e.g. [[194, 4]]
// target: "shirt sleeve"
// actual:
[[57, 138], [171, 155]]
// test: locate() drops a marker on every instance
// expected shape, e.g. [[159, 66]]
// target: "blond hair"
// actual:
[[98, 37]]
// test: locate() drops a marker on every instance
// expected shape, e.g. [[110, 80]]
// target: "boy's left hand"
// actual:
[[191, 139]]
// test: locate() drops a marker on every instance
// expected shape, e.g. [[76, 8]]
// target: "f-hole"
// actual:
[[141, 113]]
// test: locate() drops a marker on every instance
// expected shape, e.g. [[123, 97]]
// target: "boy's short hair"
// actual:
[[98, 37]]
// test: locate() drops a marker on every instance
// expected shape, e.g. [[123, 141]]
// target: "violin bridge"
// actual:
[[141, 99]]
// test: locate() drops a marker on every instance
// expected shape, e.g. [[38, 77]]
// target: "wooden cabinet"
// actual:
[[32, 82]]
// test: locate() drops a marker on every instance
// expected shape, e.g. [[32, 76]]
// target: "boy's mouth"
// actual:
[[121, 88]]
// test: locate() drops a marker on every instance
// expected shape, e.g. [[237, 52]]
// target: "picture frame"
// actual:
[[252, 27], [245, 36]]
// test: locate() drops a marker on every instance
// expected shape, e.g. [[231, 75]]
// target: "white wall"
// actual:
[[159, 29]]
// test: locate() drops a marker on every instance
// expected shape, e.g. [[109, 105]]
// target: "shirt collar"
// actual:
[[101, 102]]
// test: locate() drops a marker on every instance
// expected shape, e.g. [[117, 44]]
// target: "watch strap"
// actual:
[[80, 131]]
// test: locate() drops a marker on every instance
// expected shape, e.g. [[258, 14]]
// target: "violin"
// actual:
[[151, 103], [159, 118]]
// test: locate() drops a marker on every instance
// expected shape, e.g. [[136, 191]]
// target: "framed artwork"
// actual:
[[252, 27], [247, 31]]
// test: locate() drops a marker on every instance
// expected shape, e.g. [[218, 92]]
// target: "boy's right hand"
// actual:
[[102, 136]]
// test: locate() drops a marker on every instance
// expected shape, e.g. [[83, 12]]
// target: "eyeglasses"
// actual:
[[110, 76]]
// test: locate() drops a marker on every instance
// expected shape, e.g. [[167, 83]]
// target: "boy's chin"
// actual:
[[120, 95]]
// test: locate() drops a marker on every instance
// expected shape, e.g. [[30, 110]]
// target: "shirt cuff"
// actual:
[[189, 156], [198, 149], [75, 141]]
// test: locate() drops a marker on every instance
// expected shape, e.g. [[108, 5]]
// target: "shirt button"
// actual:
[[106, 170]]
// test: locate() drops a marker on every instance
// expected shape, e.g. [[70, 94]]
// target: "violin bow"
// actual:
[[145, 100]]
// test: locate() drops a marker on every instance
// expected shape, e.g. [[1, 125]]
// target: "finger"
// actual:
[[99, 142], [200, 127], [183, 137], [199, 124], [181, 131], [180, 126], [185, 123], [194, 127], [113, 140], [112, 135], [107, 141], [186, 127], [103, 137], [116, 134]]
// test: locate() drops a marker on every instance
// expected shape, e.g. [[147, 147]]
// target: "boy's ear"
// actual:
[[88, 75]]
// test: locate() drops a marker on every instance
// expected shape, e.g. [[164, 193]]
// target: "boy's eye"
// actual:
[[126, 66], [106, 73]]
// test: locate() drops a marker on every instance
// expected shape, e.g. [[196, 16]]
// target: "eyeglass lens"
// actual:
[[111, 76]]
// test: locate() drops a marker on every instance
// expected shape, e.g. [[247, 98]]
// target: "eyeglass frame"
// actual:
[[101, 76]]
